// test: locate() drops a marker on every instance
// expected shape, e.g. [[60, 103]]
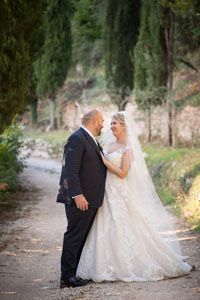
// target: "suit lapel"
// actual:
[[90, 140]]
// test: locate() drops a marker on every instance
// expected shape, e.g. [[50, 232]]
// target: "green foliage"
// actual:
[[87, 32], [193, 100], [187, 178], [187, 34], [86, 20], [186, 87], [52, 66], [121, 33], [176, 175], [19, 27], [192, 206], [150, 73], [10, 162], [187, 18], [183, 6]]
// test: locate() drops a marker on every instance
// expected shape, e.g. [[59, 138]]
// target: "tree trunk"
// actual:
[[33, 108], [170, 67], [59, 118], [122, 104], [175, 128], [52, 112], [149, 124], [83, 96]]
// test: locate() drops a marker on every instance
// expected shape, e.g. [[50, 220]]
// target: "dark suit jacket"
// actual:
[[83, 171]]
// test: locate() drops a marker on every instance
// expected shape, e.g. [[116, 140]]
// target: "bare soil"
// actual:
[[32, 230]]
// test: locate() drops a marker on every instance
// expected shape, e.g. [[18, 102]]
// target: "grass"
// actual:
[[57, 137], [176, 175]]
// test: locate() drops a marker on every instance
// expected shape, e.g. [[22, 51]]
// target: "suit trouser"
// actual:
[[79, 224]]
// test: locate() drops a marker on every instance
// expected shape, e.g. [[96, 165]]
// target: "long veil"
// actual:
[[142, 189]]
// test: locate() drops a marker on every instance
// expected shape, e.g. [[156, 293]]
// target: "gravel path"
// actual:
[[30, 249]]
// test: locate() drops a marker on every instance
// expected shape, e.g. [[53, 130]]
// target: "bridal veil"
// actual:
[[141, 186]]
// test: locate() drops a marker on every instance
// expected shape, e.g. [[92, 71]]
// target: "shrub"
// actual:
[[11, 164]]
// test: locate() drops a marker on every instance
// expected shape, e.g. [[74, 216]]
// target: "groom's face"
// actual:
[[99, 124]]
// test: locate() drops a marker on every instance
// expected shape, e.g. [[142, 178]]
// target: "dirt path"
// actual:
[[30, 258]]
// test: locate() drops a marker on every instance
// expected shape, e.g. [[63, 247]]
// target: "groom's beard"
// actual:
[[98, 131]]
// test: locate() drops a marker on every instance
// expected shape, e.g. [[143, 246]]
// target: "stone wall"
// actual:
[[187, 120]]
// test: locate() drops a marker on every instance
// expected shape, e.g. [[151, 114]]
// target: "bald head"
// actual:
[[89, 116], [93, 121]]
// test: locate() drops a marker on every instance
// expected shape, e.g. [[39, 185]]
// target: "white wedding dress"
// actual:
[[122, 243]]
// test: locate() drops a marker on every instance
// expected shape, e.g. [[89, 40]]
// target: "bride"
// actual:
[[132, 238]]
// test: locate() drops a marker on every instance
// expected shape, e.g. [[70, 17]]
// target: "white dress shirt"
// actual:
[[89, 134]]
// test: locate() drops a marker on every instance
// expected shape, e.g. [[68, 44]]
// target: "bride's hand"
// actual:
[[103, 158]]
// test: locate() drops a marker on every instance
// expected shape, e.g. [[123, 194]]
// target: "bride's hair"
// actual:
[[119, 117]]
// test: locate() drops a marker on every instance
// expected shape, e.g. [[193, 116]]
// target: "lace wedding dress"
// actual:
[[122, 243]]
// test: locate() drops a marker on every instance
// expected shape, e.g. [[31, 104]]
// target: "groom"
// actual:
[[82, 186]]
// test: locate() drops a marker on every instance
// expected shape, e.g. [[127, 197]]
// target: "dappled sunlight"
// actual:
[[195, 290], [37, 280], [185, 238], [35, 240], [36, 251], [118, 293], [8, 253], [169, 235], [8, 293], [180, 230], [188, 238]]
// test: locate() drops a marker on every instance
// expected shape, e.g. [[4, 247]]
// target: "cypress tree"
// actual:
[[150, 53], [20, 22], [87, 32], [52, 66], [121, 32]]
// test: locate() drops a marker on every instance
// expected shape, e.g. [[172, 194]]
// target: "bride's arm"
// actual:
[[121, 172]]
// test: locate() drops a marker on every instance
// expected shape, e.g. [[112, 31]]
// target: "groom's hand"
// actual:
[[81, 202]]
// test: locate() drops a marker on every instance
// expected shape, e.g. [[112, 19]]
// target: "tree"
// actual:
[[87, 32], [150, 55], [52, 66], [20, 23], [169, 30], [188, 9], [121, 33]]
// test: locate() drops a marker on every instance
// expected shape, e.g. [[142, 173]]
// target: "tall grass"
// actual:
[[176, 175]]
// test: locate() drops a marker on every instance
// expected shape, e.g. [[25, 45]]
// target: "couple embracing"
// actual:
[[117, 226]]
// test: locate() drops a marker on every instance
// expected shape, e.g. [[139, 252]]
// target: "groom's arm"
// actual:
[[73, 159]]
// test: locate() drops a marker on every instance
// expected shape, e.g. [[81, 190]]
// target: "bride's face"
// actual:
[[117, 128]]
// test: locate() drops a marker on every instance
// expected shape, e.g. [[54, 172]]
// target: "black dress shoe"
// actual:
[[73, 282]]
